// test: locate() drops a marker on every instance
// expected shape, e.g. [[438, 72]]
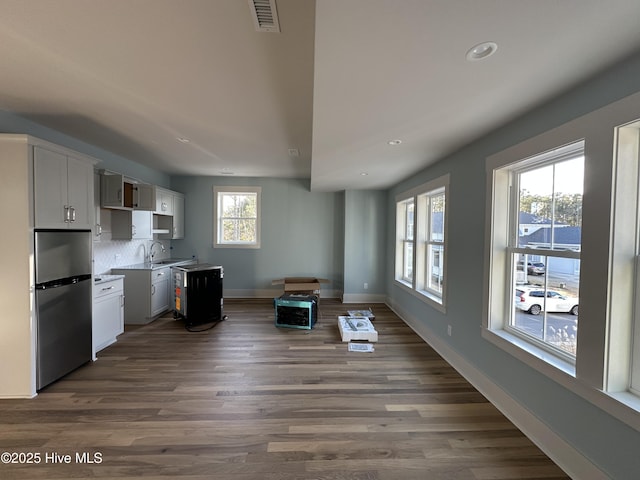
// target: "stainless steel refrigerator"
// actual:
[[63, 302]]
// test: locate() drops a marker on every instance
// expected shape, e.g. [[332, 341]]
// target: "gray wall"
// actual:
[[365, 241], [10, 123], [301, 233], [608, 442]]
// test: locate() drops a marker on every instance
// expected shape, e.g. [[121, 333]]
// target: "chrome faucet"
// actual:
[[151, 253]]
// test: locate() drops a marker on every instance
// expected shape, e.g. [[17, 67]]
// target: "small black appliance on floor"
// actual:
[[197, 293], [296, 311]]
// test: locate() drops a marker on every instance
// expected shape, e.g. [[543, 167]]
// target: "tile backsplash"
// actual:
[[108, 253]]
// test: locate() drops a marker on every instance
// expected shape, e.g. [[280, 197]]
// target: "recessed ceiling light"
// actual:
[[394, 142], [183, 140], [364, 174], [481, 51]]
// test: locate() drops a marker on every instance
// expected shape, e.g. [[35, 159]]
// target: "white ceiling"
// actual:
[[341, 79]]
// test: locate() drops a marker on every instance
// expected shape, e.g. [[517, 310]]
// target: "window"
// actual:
[[421, 241], [539, 246], [624, 329], [237, 217], [529, 239], [405, 217], [431, 235]]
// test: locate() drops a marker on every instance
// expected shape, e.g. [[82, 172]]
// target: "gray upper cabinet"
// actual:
[[63, 190], [165, 208], [172, 227], [120, 192]]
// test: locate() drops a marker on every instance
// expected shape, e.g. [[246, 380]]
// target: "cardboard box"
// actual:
[[306, 285], [352, 328]]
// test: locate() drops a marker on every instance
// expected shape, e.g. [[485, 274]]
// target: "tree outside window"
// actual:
[[237, 217]]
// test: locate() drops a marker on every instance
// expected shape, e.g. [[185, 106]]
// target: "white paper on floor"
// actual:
[[360, 347]]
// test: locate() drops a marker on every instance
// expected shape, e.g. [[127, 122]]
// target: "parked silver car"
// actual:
[[536, 268]]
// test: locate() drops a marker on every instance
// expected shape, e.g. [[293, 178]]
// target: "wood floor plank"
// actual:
[[249, 401]]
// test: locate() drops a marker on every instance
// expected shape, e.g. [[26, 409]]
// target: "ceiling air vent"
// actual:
[[265, 15]]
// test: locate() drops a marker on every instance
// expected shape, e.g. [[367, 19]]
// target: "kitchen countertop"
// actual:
[[106, 278], [167, 262]]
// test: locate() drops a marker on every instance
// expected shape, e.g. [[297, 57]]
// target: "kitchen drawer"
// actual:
[[108, 312], [109, 287]]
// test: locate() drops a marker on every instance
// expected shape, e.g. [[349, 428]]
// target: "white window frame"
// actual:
[[405, 239], [601, 373], [421, 198], [510, 181], [218, 193], [624, 356]]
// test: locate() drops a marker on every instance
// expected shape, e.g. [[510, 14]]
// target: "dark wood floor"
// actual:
[[249, 401]]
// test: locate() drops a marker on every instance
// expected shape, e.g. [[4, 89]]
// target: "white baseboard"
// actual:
[[576, 465], [363, 298], [271, 293]]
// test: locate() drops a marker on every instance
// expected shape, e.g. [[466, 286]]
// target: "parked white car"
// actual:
[[532, 300]]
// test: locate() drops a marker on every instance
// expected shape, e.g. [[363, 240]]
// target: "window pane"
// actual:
[[238, 230], [546, 299], [568, 189], [437, 218], [536, 192], [435, 272], [407, 273], [409, 221], [239, 205], [550, 206]]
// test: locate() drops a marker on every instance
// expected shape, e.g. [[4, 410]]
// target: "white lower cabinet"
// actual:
[[108, 313]]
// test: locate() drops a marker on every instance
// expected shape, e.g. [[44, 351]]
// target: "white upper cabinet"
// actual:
[[164, 201], [178, 216], [63, 190]]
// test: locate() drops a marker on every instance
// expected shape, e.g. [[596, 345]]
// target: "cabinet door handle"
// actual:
[[66, 214], [153, 289], [107, 288], [73, 213], [119, 194], [159, 274]]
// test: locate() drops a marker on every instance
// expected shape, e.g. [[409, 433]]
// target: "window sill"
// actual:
[[625, 406], [423, 296], [236, 245], [540, 359]]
